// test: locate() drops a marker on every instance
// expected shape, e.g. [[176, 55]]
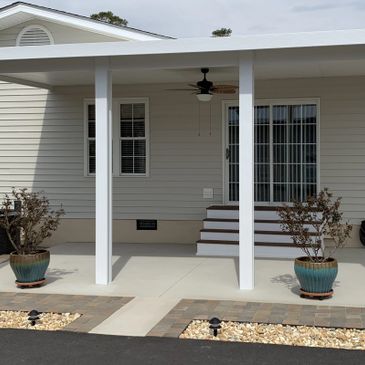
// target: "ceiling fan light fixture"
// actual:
[[204, 97]]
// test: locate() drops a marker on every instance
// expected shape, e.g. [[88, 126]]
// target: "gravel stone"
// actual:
[[47, 321], [340, 338]]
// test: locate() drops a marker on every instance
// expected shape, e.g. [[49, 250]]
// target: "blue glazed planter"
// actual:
[[30, 268], [316, 277]]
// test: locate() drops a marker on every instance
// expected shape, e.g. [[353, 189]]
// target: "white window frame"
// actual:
[[270, 102], [25, 29], [116, 135]]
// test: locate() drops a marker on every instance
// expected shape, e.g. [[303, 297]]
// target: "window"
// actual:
[[133, 144], [285, 152], [130, 138], [90, 137]]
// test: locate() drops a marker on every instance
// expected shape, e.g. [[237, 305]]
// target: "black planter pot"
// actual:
[[362, 233]]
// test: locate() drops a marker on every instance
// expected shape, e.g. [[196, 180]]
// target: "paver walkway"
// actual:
[[312, 315], [94, 309], [59, 348]]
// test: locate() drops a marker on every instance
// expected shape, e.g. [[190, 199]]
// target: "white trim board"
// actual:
[[21, 12]]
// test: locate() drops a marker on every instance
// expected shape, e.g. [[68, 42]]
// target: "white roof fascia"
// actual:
[[81, 23], [188, 45]]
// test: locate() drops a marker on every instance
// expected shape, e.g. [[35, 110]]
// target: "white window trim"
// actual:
[[270, 102], [116, 136], [116, 132], [24, 30]]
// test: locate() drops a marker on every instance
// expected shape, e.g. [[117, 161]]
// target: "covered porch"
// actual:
[[300, 68], [169, 273]]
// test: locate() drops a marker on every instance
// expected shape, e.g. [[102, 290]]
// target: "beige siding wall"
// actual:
[[61, 34], [41, 146]]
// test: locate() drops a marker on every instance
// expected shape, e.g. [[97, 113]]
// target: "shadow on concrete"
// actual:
[[57, 274]]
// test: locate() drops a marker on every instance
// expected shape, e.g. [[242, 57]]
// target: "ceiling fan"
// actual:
[[205, 89]]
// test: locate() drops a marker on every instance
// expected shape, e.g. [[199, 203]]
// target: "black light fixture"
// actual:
[[33, 316], [215, 325]]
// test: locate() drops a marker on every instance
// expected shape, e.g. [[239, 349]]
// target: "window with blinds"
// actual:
[[130, 138], [91, 153], [133, 138], [285, 152]]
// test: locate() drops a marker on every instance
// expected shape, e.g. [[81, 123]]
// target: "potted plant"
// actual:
[[308, 223], [35, 222]]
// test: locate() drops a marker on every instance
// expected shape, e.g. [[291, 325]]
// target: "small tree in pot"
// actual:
[[308, 223], [36, 222]]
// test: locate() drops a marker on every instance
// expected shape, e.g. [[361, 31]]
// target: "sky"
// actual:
[[198, 18]]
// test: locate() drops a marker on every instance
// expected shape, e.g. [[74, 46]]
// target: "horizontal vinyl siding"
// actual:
[[42, 147], [60, 33]]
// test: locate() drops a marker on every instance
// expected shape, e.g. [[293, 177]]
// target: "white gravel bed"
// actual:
[[47, 321], [351, 339]]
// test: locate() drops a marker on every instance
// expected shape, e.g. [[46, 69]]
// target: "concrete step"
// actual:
[[262, 249], [216, 223], [219, 234], [222, 213]]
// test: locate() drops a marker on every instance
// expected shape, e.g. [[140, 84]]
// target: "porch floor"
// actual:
[[160, 275]]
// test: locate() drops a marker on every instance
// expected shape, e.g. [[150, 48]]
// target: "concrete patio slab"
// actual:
[[159, 276], [174, 272]]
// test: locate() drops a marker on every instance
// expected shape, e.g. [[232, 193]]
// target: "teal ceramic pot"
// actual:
[[30, 268], [316, 277]]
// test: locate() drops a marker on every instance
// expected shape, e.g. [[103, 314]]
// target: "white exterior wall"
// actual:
[[61, 34], [42, 146]]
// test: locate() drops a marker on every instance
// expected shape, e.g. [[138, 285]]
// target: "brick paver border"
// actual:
[[175, 322], [94, 309]]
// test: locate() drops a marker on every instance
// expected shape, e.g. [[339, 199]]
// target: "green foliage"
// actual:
[[35, 220], [109, 17], [222, 32], [310, 221]]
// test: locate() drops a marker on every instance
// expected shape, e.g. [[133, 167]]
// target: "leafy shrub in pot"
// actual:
[[36, 222], [308, 223]]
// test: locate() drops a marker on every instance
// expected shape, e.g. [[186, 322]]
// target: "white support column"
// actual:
[[103, 215], [246, 170]]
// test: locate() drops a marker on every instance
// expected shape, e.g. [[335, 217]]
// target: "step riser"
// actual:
[[258, 226], [225, 214], [205, 249], [269, 238], [221, 225], [275, 227], [273, 238], [218, 236]]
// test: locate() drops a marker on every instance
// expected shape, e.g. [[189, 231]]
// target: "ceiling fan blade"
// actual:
[[194, 85]]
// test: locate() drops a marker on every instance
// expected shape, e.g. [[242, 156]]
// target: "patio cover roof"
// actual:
[[314, 54]]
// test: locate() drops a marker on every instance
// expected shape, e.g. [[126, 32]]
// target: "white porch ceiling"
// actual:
[[281, 70], [183, 68]]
